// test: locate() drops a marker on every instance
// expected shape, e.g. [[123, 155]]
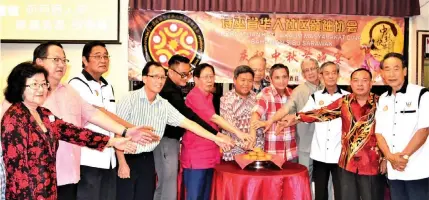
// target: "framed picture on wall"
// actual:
[[78, 21], [422, 50]]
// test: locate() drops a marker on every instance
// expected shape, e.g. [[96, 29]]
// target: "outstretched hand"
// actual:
[[142, 134]]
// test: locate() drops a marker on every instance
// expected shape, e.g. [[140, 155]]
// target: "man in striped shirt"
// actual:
[[146, 106]]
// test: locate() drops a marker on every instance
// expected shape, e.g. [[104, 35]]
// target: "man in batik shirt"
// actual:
[[268, 102], [236, 106], [360, 160]]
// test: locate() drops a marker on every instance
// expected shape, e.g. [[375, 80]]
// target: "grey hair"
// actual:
[[325, 64], [311, 60]]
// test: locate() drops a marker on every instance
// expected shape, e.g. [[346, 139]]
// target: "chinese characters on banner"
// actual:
[[62, 20], [229, 40]]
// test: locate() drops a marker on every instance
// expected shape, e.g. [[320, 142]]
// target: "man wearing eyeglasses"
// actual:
[[98, 175], [167, 152], [146, 106]]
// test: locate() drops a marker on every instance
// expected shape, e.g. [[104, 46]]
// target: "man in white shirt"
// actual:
[[326, 142], [98, 175], [402, 129]]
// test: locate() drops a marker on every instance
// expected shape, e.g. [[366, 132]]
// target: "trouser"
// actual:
[[304, 159], [409, 190], [96, 184], [321, 176], [198, 183], [141, 184], [166, 156], [67, 192], [361, 187]]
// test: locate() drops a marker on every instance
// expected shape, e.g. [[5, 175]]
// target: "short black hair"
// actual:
[[41, 51], [176, 59], [393, 55], [200, 68], [361, 69], [88, 48], [17, 79], [278, 66], [149, 64], [242, 69]]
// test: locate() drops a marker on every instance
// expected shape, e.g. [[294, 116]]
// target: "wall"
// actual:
[[420, 22], [12, 54]]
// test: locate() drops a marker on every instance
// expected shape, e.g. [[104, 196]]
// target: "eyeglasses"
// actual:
[[162, 78], [310, 69], [58, 60], [98, 57], [184, 75], [36, 86]]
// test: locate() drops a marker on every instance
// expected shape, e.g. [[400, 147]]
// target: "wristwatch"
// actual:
[[124, 132], [406, 157]]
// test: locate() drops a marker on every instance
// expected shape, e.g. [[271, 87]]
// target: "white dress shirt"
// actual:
[[136, 108], [100, 95], [398, 118], [326, 142]]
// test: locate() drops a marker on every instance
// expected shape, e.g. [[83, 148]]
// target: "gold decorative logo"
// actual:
[[172, 33], [321, 102], [385, 108], [408, 104]]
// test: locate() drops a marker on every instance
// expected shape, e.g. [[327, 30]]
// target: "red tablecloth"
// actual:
[[232, 183]]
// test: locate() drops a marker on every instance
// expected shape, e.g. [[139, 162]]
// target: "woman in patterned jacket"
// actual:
[[30, 136]]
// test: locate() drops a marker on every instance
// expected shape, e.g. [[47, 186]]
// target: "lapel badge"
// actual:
[[385, 108], [408, 104], [321, 102], [51, 118], [96, 92]]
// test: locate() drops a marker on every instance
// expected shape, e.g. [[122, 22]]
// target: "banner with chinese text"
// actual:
[[227, 40]]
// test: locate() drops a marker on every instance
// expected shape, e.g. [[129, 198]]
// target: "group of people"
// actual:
[[132, 149]]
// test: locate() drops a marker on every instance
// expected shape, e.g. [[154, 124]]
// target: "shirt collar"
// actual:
[[201, 92], [287, 92], [371, 99], [170, 83], [238, 97], [325, 91], [402, 90], [144, 96], [90, 78], [317, 87]]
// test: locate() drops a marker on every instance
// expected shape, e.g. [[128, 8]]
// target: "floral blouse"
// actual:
[[30, 154]]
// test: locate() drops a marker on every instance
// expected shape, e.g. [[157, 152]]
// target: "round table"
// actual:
[[230, 182]]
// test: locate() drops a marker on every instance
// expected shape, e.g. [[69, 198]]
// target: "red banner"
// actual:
[[227, 40]]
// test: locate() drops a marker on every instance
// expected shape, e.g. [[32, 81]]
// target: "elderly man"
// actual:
[[326, 143], [258, 65], [402, 131]]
